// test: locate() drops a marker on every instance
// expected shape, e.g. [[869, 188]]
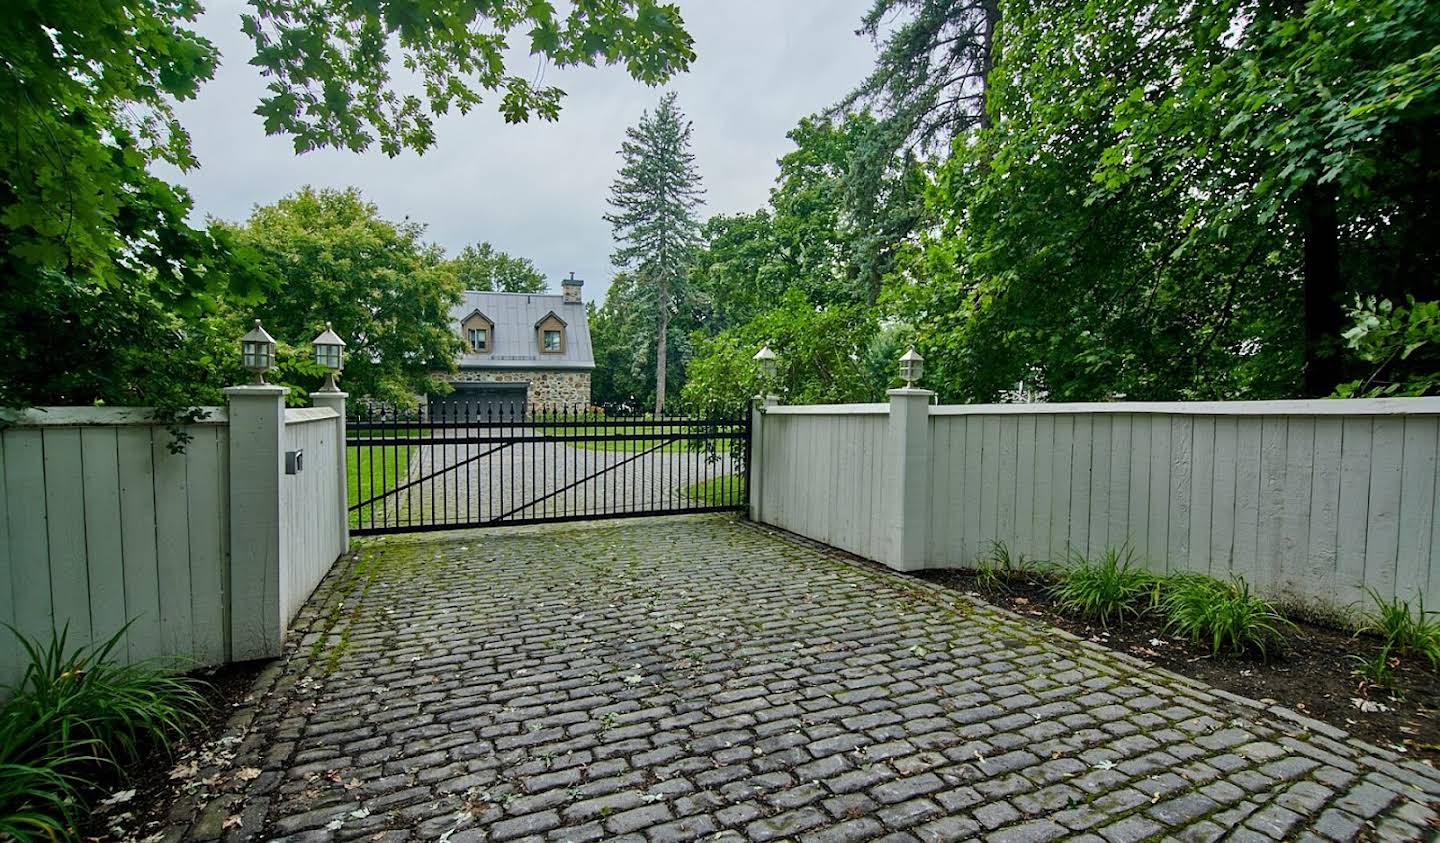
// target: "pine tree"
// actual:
[[656, 232]]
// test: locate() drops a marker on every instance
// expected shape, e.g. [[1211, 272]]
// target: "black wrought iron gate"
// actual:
[[456, 465]]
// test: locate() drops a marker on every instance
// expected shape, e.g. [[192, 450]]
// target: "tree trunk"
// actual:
[[1324, 318], [991, 10], [664, 299]]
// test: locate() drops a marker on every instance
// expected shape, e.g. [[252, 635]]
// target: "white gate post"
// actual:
[[257, 462], [907, 479], [335, 400], [756, 467]]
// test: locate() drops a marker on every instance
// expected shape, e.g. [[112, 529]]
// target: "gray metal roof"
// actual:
[[514, 343]]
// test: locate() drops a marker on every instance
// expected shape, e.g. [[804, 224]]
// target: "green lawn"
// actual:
[[633, 446], [390, 465], [725, 490]]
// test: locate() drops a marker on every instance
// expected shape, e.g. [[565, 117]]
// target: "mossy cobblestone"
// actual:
[[695, 678]]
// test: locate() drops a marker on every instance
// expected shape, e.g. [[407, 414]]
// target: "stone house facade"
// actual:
[[521, 351]]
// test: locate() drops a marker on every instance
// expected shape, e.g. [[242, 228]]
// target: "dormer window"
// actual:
[[550, 334], [478, 332]]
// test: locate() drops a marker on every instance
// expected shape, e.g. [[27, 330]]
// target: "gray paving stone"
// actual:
[[696, 678]]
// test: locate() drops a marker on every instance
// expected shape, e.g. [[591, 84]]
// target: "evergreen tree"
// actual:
[[929, 81], [655, 196]]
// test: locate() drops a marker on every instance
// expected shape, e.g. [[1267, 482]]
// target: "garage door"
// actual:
[[481, 401]]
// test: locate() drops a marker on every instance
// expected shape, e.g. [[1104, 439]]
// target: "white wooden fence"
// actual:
[[1316, 500], [101, 524]]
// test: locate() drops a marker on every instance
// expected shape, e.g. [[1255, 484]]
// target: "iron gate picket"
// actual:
[[451, 466]]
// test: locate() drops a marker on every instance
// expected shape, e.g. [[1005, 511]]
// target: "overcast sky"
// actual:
[[538, 190]]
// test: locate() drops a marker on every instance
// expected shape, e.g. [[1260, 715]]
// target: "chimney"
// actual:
[[571, 288]]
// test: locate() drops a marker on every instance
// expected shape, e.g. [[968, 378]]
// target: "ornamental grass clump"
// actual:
[[1110, 588], [1226, 616], [1406, 632], [74, 719], [997, 569]]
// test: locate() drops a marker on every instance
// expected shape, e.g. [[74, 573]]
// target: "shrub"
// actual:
[[1106, 589], [1406, 632], [1225, 615], [74, 714]]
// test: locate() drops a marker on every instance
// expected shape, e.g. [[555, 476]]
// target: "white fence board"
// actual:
[[9, 647], [103, 556], [29, 538], [65, 520]]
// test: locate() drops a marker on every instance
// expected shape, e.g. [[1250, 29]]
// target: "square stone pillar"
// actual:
[[257, 464], [907, 480]]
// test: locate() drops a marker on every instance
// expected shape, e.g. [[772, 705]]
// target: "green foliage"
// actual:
[[85, 104], [330, 61], [75, 713], [1379, 670], [819, 357], [1147, 218], [109, 296], [386, 291], [821, 234], [1401, 343], [1406, 631], [929, 79], [1225, 616], [654, 197], [997, 569], [1106, 589], [483, 267]]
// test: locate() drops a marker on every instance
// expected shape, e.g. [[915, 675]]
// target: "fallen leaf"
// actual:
[[184, 771], [116, 798], [1368, 706], [232, 821], [247, 774]]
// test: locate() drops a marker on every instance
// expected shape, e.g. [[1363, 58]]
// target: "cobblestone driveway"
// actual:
[[698, 678]]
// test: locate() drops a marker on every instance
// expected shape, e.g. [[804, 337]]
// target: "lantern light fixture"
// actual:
[[257, 352], [329, 355], [767, 362], [912, 366]]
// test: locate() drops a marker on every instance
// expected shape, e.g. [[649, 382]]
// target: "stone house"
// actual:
[[521, 350]]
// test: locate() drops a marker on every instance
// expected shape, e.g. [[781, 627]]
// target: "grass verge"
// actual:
[[725, 490]]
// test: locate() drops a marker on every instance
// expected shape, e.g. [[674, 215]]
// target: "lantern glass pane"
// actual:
[[328, 355]]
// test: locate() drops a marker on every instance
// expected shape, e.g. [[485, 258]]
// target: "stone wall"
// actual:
[[549, 389]]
